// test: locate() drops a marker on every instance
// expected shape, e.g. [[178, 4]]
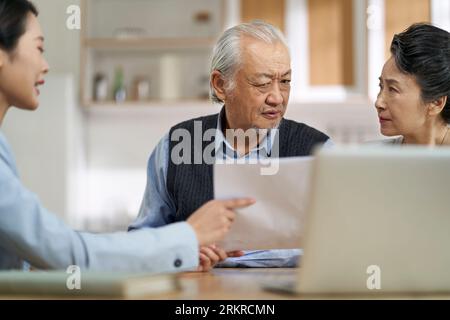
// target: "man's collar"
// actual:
[[220, 141]]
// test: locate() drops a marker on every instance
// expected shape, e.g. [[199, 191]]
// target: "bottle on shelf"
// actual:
[[120, 92], [100, 87]]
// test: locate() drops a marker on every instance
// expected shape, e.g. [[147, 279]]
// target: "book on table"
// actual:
[[87, 283]]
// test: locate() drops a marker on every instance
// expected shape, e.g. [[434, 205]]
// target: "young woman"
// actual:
[[414, 97], [31, 233]]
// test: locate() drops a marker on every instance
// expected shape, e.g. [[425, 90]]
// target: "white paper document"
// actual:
[[276, 220]]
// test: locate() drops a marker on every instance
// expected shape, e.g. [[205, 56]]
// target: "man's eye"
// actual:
[[41, 49], [263, 85], [286, 81]]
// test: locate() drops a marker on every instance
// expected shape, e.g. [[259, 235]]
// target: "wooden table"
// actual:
[[219, 284], [239, 284], [236, 284]]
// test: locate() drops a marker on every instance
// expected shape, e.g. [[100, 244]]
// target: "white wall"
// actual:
[[119, 142], [47, 146], [62, 46]]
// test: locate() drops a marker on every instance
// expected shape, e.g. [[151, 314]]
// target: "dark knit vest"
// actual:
[[191, 185]]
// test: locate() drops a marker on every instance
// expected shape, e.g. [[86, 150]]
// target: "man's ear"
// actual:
[[435, 107], [218, 84]]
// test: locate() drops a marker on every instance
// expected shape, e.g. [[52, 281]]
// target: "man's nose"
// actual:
[[275, 98]]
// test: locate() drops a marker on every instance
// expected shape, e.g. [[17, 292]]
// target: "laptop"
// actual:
[[378, 222]]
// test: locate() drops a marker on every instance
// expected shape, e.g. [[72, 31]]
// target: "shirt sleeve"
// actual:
[[328, 144], [157, 207], [30, 232]]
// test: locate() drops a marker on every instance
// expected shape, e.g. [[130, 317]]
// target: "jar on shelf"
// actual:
[[170, 81], [100, 87], [141, 88]]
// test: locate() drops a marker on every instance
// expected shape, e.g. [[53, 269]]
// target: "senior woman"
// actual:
[[413, 102]]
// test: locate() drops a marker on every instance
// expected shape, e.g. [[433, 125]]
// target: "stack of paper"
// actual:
[[276, 220]]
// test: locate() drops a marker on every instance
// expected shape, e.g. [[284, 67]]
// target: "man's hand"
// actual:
[[212, 221], [212, 255]]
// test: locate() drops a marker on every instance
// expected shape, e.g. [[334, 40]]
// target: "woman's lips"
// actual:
[[383, 120], [39, 83]]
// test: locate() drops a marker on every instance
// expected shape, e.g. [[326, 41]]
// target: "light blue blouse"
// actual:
[[29, 232]]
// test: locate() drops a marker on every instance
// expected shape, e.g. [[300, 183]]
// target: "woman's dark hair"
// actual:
[[13, 17], [423, 51]]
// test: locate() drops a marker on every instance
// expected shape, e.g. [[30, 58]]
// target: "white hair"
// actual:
[[226, 57]]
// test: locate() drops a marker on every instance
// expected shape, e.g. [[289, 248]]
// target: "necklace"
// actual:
[[445, 135]]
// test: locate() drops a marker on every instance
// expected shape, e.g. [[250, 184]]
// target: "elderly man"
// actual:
[[250, 76]]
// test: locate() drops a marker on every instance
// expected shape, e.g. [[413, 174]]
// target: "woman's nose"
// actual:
[[45, 67], [379, 103]]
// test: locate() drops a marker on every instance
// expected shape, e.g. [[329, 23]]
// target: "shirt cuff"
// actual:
[[181, 245]]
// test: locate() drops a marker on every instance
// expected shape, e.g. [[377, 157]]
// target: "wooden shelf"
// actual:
[[150, 107], [166, 42], [148, 43], [148, 104]]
